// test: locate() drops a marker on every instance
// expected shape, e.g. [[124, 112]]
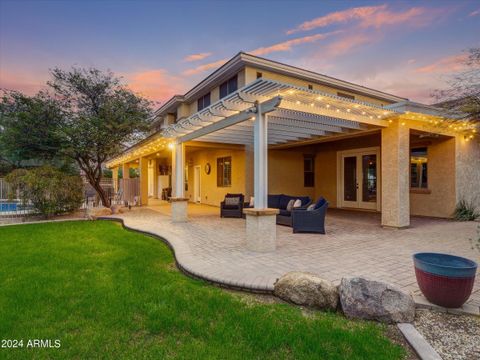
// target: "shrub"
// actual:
[[49, 190], [465, 211]]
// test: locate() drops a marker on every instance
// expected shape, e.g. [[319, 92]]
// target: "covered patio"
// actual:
[[266, 116], [355, 245]]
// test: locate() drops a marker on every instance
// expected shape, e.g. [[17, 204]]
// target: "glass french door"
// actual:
[[359, 181]]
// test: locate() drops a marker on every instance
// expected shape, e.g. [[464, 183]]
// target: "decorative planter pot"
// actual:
[[445, 280]]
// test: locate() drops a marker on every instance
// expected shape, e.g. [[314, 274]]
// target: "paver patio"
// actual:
[[355, 244]]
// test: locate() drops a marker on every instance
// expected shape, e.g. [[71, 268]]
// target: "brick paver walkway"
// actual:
[[214, 248]]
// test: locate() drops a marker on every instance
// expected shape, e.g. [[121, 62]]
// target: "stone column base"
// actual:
[[261, 229], [179, 209]]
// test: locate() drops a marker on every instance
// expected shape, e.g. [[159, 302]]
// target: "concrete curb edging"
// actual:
[[423, 349], [189, 272]]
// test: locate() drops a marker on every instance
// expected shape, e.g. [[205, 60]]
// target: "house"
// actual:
[[256, 126]]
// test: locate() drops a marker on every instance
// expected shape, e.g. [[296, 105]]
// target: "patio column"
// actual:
[[115, 179], [395, 175], [143, 171], [178, 201], [155, 178], [261, 229]]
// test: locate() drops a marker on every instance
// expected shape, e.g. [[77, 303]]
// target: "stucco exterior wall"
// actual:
[[210, 193], [285, 173], [439, 199], [468, 170], [251, 75]]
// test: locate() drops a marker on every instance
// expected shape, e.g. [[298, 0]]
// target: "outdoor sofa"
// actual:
[[281, 202]]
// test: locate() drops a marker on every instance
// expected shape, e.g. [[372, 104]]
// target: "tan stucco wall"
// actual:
[[468, 170], [440, 199], [210, 193], [285, 173], [251, 75]]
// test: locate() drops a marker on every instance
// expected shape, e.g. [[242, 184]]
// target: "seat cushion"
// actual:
[[232, 201], [285, 212], [320, 202], [273, 201]]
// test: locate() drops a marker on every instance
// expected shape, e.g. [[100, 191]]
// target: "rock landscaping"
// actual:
[[367, 299], [307, 289], [452, 336]]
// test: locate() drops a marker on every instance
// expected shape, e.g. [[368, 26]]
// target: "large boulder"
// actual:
[[375, 300], [307, 289]]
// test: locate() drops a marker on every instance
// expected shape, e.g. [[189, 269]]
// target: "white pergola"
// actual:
[[269, 113]]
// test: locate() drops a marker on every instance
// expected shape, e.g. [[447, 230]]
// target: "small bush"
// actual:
[[465, 211], [49, 190]]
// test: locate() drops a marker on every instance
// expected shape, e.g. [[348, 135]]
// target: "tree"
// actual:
[[91, 117], [463, 92], [28, 131]]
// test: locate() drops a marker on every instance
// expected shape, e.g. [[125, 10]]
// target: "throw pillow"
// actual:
[[252, 200], [297, 203], [290, 205], [311, 207], [232, 201]]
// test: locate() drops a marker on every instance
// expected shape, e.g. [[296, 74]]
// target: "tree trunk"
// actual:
[[102, 194]]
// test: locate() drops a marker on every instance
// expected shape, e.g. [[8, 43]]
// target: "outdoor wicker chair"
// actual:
[[232, 206], [310, 221]]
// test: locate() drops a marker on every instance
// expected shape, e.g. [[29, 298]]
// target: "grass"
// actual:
[[111, 293]]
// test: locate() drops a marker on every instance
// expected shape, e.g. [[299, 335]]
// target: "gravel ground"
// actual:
[[452, 336]]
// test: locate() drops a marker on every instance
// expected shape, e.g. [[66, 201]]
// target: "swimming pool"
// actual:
[[4, 207]]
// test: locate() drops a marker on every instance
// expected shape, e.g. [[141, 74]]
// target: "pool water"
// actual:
[[8, 207]]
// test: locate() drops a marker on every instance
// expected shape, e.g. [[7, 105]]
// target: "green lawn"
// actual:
[[111, 293]]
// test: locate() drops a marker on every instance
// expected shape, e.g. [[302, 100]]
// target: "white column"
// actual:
[[261, 227], [260, 145], [178, 201], [178, 165]]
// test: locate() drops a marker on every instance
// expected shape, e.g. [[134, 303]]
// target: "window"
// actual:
[[308, 171], [346, 96], [418, 168], [228, 87], [224, 171], [310, 86], [259, 75], [203, 102]]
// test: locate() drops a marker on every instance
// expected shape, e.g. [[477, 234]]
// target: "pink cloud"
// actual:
[[282, 46], [386, 17], [196, 57], [156, 84], [28, 83], [338, 17], [372, 17], [445, 65], [347, 43], [205, 67], [474, 13], [287, 45]]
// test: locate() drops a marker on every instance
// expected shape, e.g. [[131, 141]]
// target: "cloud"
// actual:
[[475, 13], [287, 45], [282, 46], [338, 17], [347, 43], [446, 64], [205, 67], [196, 57], [27, 82], [155, 84], [372, 17]]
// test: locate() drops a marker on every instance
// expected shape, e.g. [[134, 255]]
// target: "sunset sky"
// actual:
[[163, 48]]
